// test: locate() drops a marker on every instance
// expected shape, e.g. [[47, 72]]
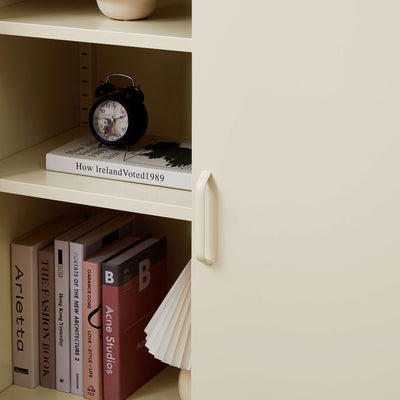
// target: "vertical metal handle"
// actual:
[[203, 236]]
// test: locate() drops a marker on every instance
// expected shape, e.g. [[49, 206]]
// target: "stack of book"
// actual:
[[153, 161], [83, 289]]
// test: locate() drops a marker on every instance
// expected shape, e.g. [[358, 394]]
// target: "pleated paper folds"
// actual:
[[168, 332]]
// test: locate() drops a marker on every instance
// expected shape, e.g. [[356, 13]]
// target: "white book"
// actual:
[[80, 249], [154, 161], [62, 295]]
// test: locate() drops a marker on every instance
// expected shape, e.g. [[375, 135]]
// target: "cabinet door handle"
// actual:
[[204, 238]]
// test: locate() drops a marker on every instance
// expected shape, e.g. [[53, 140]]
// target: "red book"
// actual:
[[91, 310], [133, 286]]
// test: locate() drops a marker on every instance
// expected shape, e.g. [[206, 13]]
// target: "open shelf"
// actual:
[[162, 387], [24, 173], [169, 28]]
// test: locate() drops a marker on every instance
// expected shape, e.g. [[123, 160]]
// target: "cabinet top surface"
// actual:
[[169, 28]]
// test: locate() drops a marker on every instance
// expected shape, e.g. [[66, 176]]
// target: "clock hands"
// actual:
[[113, 118], [110, 125]]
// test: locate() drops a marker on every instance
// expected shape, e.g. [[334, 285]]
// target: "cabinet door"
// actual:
[[296, 114]]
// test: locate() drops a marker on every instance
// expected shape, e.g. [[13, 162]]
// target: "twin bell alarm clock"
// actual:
[[118, 117]]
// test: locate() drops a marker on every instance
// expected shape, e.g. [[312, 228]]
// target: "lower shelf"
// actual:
[[163, 387]]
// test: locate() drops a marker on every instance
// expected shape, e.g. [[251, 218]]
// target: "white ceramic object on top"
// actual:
[[127, 9]]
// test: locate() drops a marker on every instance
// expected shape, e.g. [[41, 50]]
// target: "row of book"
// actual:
[[83, 291]]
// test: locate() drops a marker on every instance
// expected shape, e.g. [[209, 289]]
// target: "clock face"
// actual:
[[110, 120]]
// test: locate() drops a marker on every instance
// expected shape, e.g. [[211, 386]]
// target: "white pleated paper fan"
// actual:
[[168, 332]]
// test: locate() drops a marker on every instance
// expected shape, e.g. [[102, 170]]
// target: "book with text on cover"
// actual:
[[92, 319], [47, 348], [62, 294], [133, 286], [79, 250], [154, 161], [25, 295]]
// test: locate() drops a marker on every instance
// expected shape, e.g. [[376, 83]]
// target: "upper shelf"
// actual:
[[169, 28], [25, 174]]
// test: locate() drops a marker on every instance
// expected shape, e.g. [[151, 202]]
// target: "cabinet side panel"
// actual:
[[39, 90], [303, 302]]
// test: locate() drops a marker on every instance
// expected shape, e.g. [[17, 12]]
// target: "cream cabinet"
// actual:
[[295, 105], [293, 109]]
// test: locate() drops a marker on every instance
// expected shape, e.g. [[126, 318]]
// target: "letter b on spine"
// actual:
[[144, 274]]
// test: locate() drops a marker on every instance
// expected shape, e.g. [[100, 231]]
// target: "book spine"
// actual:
[[62, 315], [121, 172], [25, 329], [111, 337], [76, 260], [92, 332], [47, 357], [131, 290]]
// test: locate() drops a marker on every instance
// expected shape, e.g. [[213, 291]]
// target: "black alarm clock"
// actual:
[[119, 116]]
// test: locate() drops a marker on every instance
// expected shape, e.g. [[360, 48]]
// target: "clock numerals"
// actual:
[[110, 120]]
